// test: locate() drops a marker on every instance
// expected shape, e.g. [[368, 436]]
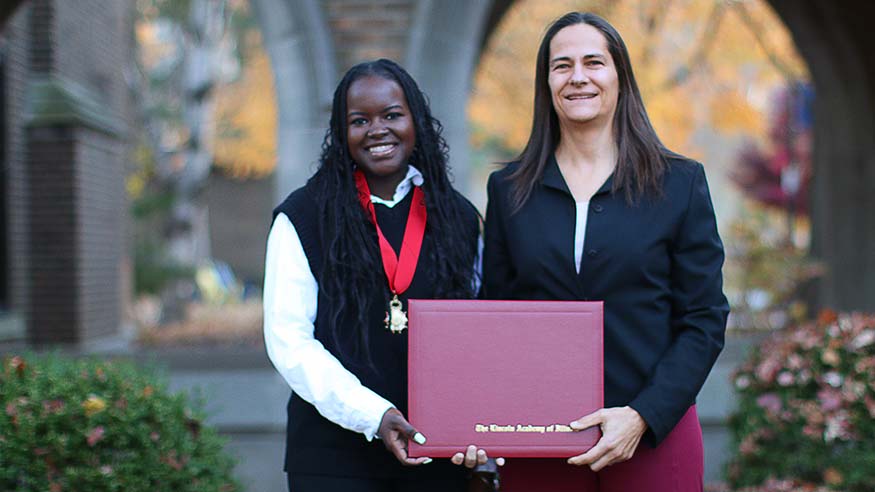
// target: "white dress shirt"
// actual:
[[290, 303]]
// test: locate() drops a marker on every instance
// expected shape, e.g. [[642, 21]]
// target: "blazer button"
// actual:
[[597, 208], [592, 252]]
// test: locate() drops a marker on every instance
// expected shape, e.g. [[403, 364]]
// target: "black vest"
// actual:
[[315, 445]]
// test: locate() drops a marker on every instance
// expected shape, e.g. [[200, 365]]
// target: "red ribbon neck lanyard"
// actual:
[[399, 269]]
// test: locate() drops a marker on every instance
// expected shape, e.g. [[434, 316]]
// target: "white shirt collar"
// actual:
[[413, 178]]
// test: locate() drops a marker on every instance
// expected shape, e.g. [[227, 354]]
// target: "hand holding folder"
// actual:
[[396, 432]]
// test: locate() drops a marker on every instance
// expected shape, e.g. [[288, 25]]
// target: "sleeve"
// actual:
[[699, 312], [290, 301], [498, 271]]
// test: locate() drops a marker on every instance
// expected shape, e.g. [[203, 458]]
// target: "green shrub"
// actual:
[[88, 425], [807, 407]]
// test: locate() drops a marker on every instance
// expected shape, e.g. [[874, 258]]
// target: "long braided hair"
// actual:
[[351, 265]]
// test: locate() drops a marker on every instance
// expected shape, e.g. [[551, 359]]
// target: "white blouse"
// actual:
[[580, 232]]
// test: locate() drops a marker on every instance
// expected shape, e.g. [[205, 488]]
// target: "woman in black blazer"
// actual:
[[596, 208]]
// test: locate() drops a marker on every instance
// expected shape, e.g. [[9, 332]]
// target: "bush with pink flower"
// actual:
[[77, 425], [806, 412]]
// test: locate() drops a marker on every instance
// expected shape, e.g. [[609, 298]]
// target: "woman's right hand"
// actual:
[[395, 431], [622, 428]]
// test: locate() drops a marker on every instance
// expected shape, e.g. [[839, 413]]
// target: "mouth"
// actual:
[[381, 150], [580, 96]]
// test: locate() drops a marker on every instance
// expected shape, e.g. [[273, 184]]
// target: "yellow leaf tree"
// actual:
[[246, 122]]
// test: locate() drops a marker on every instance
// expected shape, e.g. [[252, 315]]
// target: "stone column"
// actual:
[[76, 153], [834, 38], [445, 42], [302, 58]]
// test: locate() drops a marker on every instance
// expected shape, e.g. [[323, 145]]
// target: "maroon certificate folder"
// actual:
[[507, 376]]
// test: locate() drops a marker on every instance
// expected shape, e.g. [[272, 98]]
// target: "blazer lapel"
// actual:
[[564, 223], [552, 177]]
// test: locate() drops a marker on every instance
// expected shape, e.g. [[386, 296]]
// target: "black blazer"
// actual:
[[655, 264]]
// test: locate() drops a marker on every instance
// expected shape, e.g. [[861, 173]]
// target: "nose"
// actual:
[[378, 131], [578, 76]]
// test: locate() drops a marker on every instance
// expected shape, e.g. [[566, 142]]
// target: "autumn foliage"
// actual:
[[778, 173], [247, 118]]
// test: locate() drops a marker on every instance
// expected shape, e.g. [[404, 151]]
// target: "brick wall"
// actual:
[[95, 53], [41, 35], [53, 271], [69, 207], [367, 29], [76, 214], [95, 47], [17, 237], [101, 214], [239, 222]]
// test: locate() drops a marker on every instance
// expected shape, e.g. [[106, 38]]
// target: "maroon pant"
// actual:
[[676, 465]]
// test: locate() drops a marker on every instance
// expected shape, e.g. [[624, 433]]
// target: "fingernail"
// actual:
[[427, 461], [419, 438]]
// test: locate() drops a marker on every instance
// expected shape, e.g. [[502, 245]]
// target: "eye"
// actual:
[[394, 115], [561, 66], [595, 63], [357, 121]]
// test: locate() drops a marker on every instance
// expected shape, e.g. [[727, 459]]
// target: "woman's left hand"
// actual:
[[622, 428]]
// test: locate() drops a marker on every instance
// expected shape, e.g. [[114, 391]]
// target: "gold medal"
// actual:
[[399, 268], [396, 318]]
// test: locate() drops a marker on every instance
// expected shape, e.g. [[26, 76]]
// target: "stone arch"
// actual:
[[302, 57], [4, 265], [445, 44]]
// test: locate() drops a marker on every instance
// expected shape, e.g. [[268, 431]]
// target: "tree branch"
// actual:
[[697, 60], [756, 29], [652, 22]]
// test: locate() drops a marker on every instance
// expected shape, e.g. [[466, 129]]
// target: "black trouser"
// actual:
[[321, 483]]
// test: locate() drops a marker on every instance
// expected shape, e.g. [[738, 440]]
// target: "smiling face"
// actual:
[[380, 132], [582, 77]]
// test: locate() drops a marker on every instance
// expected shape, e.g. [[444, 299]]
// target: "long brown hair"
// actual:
[[641, 158]]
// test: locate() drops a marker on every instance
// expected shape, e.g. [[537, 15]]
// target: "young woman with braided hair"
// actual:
[[378, 223]]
